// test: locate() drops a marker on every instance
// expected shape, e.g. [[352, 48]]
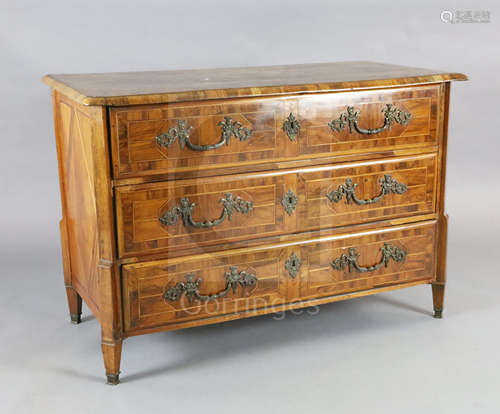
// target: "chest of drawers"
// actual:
[[197, 197]]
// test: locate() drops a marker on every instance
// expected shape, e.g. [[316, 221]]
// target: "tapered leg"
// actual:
[[75, 305], [438, 286], [438, 299], [112, 353], [110, 318]]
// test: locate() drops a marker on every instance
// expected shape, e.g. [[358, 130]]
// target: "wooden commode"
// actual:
[[201, 196]]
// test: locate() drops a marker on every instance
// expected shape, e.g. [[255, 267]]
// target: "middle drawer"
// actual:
[[184, 214]]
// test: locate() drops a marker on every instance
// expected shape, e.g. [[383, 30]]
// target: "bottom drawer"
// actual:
[[205, 287]]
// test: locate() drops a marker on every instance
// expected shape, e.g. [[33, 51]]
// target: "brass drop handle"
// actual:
[[181, 133], [388, 185], [351, 259], [190, 287], [350, 118], [185, 211]]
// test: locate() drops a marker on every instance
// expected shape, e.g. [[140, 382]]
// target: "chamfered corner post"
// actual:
[[438, 286], [74, 299], [110, 306]]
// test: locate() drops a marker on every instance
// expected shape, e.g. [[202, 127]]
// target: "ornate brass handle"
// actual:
[[181, 133], [351, 260], [391, 115], [185, 210], [190, 286], [388, 185]]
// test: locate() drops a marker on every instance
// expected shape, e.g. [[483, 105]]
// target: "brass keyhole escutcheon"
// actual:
[[292, 265], [289, 202]]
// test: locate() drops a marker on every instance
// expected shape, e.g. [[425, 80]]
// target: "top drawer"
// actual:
[[191, 138]]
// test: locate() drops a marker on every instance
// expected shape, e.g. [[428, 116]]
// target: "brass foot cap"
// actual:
[[113, 379], [438, 314], [76, 318]]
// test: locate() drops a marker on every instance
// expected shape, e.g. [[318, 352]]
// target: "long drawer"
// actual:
[[172, 216], [170, 292], [173, 139]]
